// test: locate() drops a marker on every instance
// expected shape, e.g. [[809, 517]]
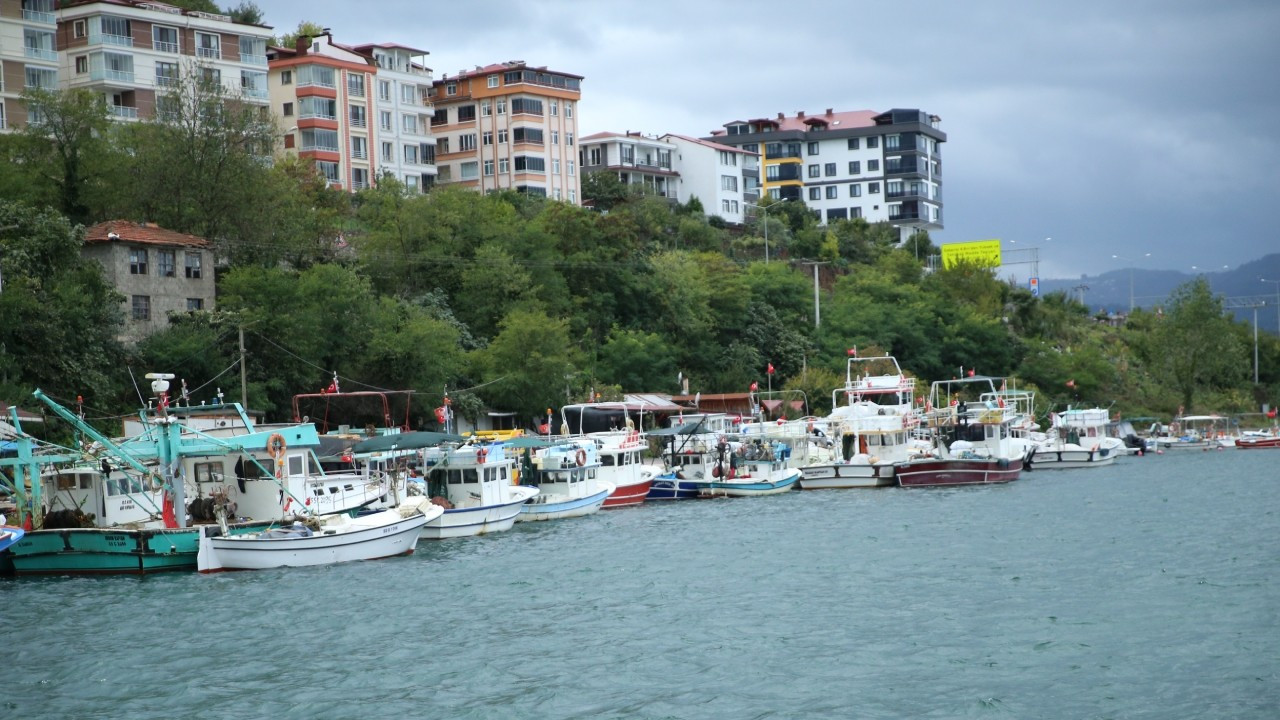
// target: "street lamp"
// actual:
[[1277, 284], [764, 209], [1121, 257]]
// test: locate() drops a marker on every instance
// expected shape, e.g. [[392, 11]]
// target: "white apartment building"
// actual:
[[405, 147], [724, 178], [28, 54], [635, 158]]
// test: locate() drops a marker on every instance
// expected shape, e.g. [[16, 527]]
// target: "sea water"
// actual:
[[1148, 589]]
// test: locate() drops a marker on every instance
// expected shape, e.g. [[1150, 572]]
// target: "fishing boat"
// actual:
[[747, 469], [1193, 432], [688, 456], [870, 426], [611, 426], [1077, 438], [970, 431], [1257, 440], [9, 534], [322, 541], [566, 476], [474, 484]]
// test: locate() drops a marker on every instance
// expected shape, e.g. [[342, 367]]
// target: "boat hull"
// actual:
[[373, 537], [785, 482], [1045, 459], [626, 495], [942, 473], [109, 551], [844, 475], [1251, 444], [669, 487], [465, 522], [557, 507]]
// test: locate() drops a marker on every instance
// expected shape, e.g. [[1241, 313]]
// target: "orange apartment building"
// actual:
[[509, 126]]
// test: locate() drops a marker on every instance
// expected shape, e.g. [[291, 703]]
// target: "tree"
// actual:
[[306, 29], [1196, 344], [66, 147], [531, 365], [246, 12], [58, 316], [637, 361], [603, 190]]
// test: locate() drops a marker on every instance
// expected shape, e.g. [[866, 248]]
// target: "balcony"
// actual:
[[124, 112], [35, 16], [253, 59], [166, 47], [166, 81], [210, 53], [111, 76], [254, 93], [104, 39], [360, 154], [41, 53], [315, 147]]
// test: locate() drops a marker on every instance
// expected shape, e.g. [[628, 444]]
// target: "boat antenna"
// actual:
[[141, 400]]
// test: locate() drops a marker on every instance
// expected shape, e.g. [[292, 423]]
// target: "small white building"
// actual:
[[724, 178]]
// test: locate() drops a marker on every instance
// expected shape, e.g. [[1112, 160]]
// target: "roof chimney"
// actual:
[[301, 44], [782, 116], [828, 112], [799, 114]]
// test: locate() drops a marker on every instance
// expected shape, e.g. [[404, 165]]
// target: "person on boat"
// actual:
[[239, 472]]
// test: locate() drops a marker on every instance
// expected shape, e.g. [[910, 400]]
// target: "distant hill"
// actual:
[[1110, 290]]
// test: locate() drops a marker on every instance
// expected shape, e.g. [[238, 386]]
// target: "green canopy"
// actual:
[[405, 441], [693, 428]]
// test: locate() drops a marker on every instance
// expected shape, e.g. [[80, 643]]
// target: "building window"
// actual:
[[388, 152], [892, 142], [829, 169], [194, 304], [814, 171], [493, 81], [193, 265], [873, 188], [555, 166], [329, 170], [410, 124], [359, 178], [570, 168], [451, 89], [568, 139], [873, 166], [411, 154], [855, 190], [357, 115], [467, 142], [837, 214], [873, 142], [502, 106], [468, 171], [525, 163], [855, 212], [813, 148], [832, 192], [78, 28], [486, 137], [568, 111], [82, 64], [359, 147], [209, 46], [504, 166], [488, 168], [729, 182], [384, 90], [502, 137], [384, 119], [486, 108], [855, 167], [141, 307], [286, 77], [555, 137], [355, 85], [137, 261], [815, 193], [555, 108], [854, 143], [467, 113], [165, 263], [288, 109]]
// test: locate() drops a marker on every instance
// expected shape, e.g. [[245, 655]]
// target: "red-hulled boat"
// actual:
[[1257, 442], [972, 429]]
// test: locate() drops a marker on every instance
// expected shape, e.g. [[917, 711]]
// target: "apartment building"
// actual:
[[405, 147], [129, 52], [635, 158], [879, 166], [321, 94], [28, 54], [726, 179], [509, 126], [158, 271]]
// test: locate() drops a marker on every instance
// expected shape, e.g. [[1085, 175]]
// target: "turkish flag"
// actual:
[[755, 386], [770, 370]]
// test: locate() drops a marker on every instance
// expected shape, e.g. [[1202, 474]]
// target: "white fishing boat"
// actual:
[[750, 468], [871, 426], [318, 541], [1077, 438], [566, 475], [1193, 432], [474, 484]]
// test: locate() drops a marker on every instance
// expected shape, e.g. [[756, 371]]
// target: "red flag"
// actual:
[[971, 373], [168, 513], [1071, 383], [441, 417], [1271, 413], [770, 370], [754, 386], [853, 351]]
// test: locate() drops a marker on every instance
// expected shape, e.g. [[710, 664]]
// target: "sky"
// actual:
[[1076, 130]]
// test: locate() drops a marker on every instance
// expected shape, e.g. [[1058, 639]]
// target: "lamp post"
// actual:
[[764, 209], [1121, 257], [1277, 284]]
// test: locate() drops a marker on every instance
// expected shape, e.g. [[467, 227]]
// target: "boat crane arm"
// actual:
[[87, 429]]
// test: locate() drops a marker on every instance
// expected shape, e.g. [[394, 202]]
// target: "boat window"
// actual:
[[591, 473], [319, 491], [607, 460], [66, 482], [314, 466], [113, 487], [208, 472], [295, 464], [455, 477], [470, 476], [502, 473], [86, 481]]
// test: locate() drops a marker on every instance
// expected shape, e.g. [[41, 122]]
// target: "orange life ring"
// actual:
[[276, 447], [481, 454], [581, 456]]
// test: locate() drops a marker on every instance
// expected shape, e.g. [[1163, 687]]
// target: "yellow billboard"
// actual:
[[981, 252]]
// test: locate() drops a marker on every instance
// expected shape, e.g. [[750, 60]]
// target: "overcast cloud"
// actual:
[[1110, 127]]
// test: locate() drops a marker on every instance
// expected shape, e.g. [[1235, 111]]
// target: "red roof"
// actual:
[[144, 233]]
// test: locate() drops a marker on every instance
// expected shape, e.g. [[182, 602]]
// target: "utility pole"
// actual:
[[244, 382]]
